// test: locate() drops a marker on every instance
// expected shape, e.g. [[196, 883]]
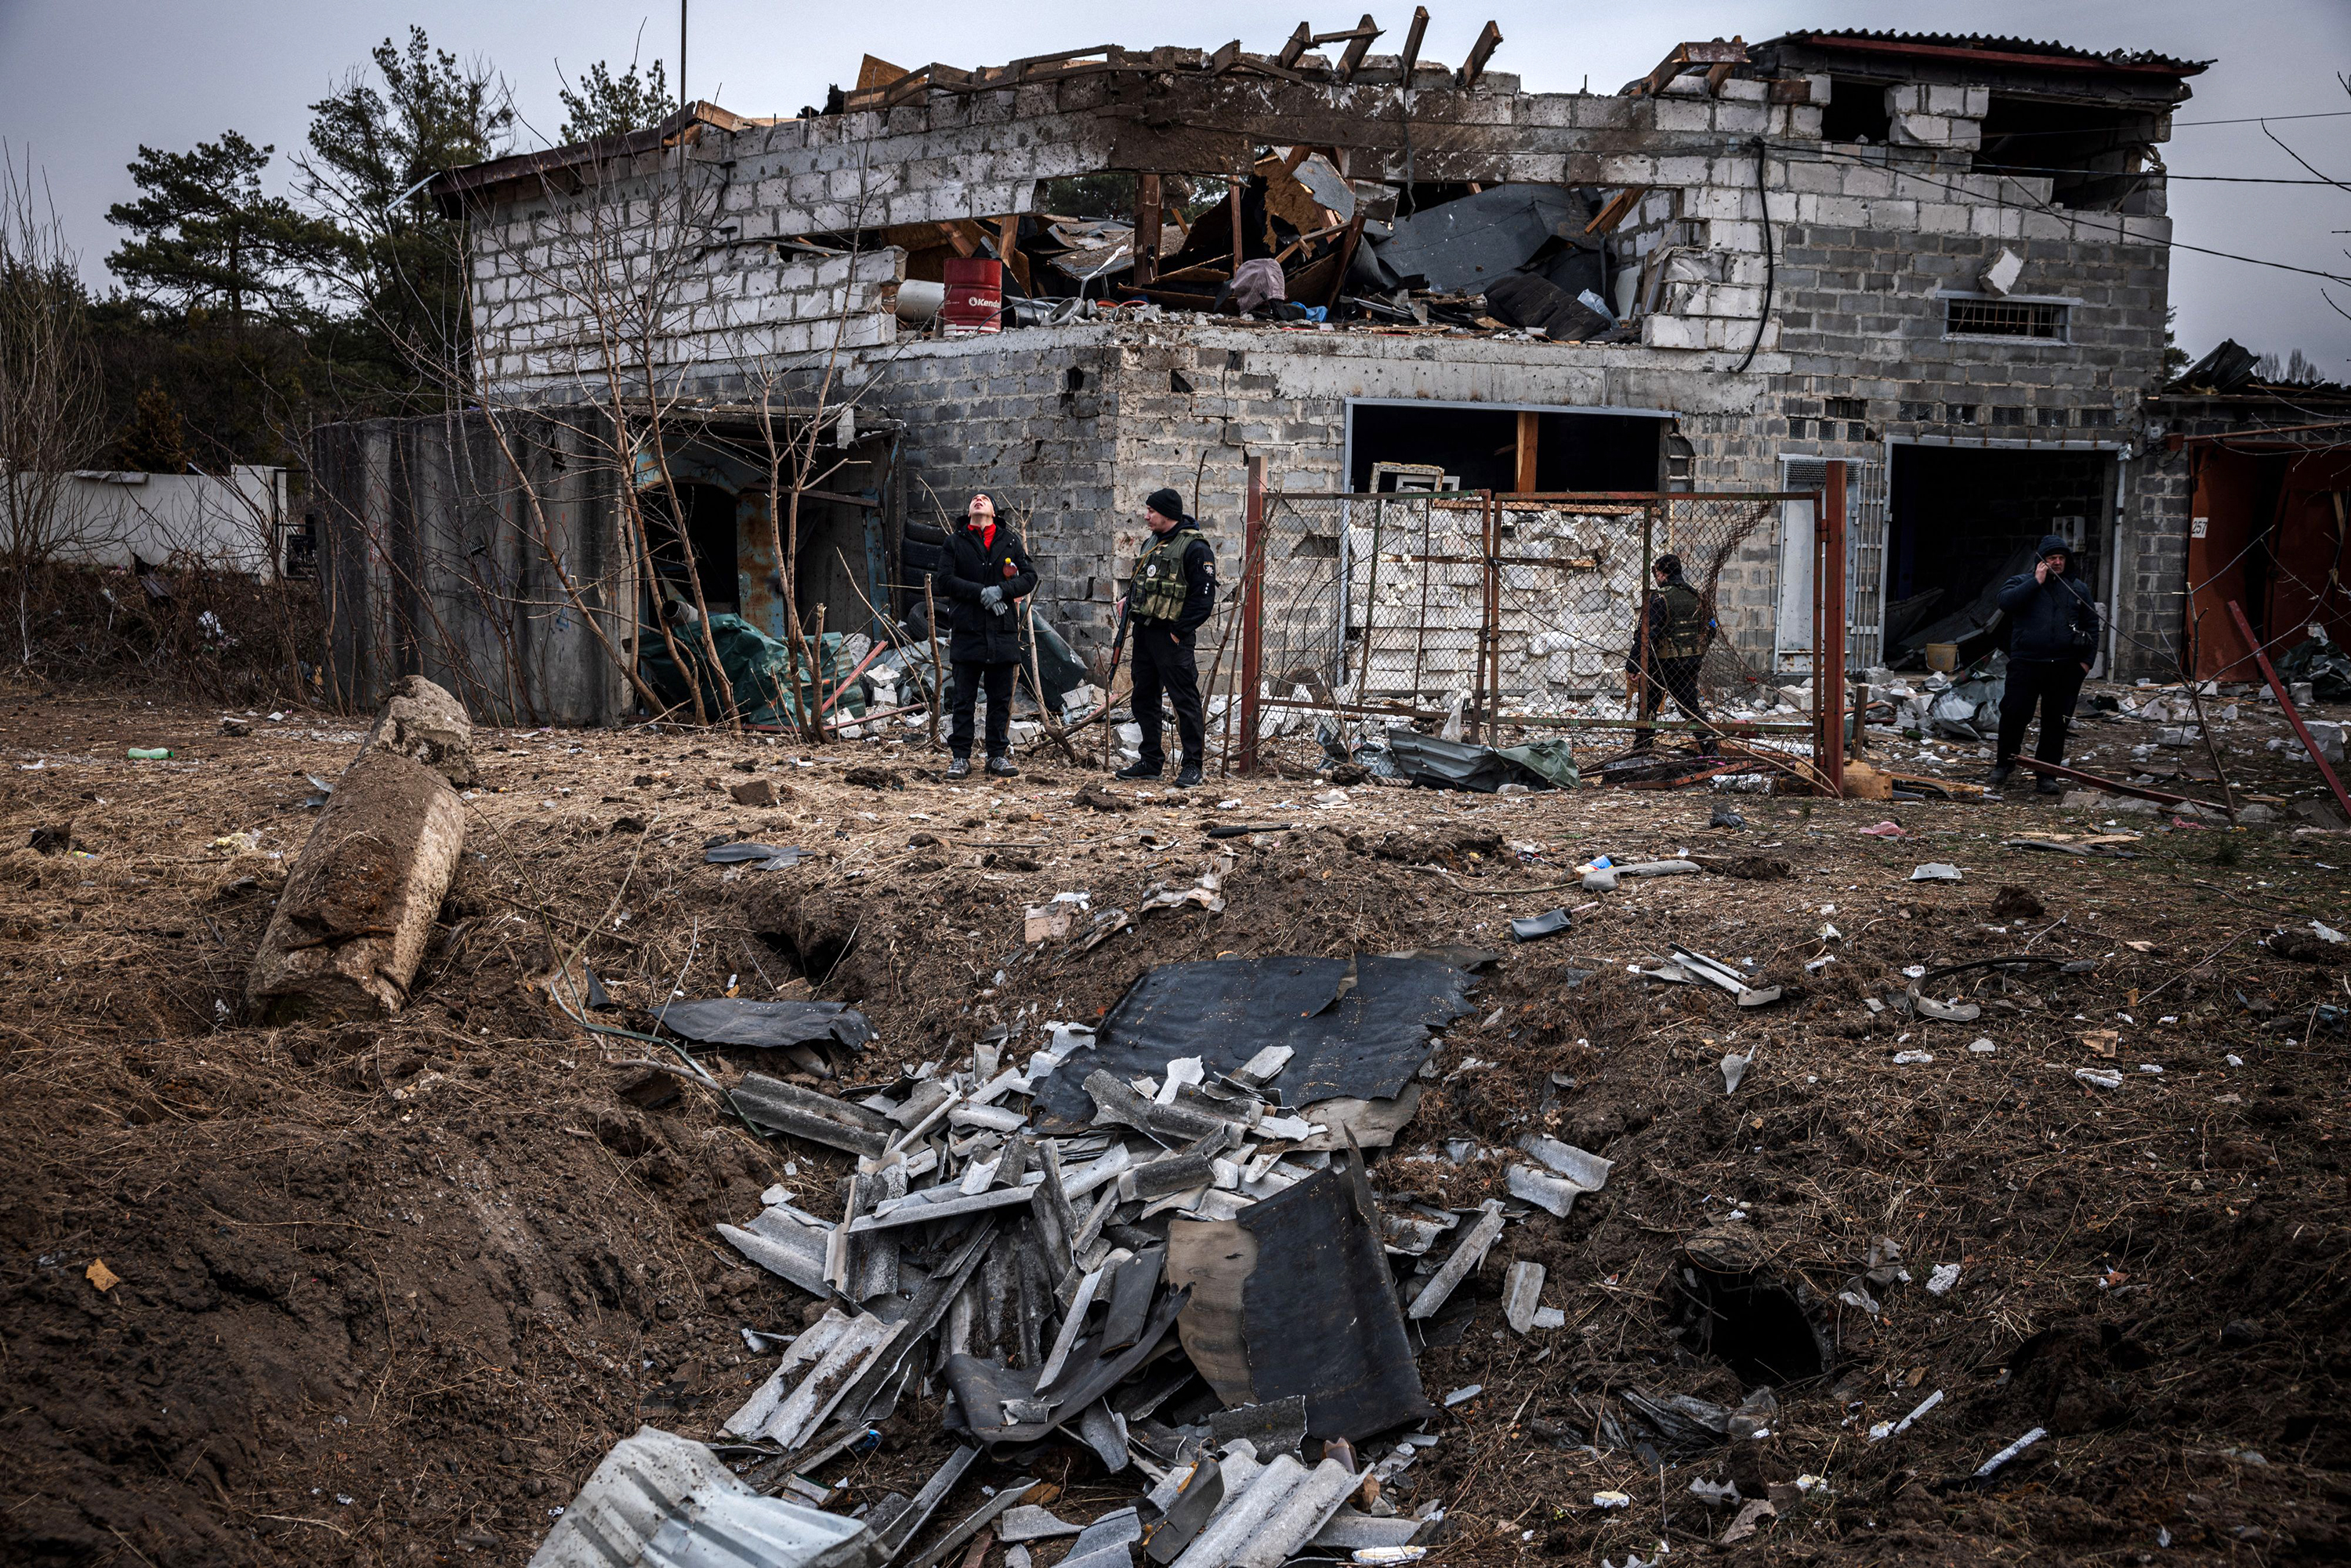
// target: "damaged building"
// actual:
[[1076, 278]]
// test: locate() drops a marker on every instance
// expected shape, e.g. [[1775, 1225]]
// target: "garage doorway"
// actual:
[[1510, 451], [1962, 521]]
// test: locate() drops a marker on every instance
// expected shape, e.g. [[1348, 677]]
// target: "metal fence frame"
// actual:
[[1488, 563]]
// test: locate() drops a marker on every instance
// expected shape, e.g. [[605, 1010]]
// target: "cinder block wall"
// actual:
[[1824, 283]]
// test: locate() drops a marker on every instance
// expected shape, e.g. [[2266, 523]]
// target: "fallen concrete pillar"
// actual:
[[351, 926], [424, 723]]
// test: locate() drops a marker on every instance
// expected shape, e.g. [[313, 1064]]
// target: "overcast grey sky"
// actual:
[[84, 82]]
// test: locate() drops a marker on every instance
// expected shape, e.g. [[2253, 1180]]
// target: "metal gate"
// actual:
[[1865, 572], [1488, 612]]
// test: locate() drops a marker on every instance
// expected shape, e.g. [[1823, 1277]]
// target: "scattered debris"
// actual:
[[1936, 871], [1536, 927], [658, 1499]]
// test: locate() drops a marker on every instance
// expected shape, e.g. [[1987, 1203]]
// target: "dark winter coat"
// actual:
[[2052, 619], [980, 637]]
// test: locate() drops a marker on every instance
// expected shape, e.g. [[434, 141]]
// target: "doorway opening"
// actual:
[[1508, 451], [1962, 520], [706, 539]]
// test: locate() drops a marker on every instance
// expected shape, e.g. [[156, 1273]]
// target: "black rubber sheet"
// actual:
[[1359, 1028], [723, 1020], [1294, 1298]]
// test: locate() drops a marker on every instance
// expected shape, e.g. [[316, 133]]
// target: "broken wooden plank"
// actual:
[[1614, 210], [1490, 38]]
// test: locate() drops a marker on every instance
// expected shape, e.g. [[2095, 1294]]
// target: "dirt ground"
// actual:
[[386, 1292]]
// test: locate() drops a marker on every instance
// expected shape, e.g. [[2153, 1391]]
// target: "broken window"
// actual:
[[1855, 111], [2096, 157], [1483, 448], [1968, 317]]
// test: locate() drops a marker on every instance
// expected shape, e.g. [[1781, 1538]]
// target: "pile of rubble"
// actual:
[[1157, 1239]]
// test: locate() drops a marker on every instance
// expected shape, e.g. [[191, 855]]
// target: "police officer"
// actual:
[[1171, 594], [982, 573], [1671, 642]]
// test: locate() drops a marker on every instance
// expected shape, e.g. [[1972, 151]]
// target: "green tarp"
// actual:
[[757, 670]]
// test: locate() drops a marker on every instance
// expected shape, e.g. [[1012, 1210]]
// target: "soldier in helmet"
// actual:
[[1668, 646]]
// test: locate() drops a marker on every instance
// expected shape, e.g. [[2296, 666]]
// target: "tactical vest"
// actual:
[[1685, 633], [1159, 588]]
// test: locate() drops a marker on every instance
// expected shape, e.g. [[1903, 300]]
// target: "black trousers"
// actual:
[[2050, 684], [968, 679], [1164, 664], [1677, 679]]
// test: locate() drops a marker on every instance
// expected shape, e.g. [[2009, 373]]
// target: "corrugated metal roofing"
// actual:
[[1990, 45]]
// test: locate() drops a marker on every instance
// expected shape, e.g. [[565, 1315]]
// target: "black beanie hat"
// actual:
[[993, 511], [1671, 565], [1168, 503]]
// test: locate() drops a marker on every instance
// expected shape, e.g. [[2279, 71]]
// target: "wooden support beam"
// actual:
[[1299, 42], [1008, 249], [1489, 39], [1413, 35], [1529, 429], [1358, 47], [1148, 210], [1225, 58], [1613, 211], [1233, 187]]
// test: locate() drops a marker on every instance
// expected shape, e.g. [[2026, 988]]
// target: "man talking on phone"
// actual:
[[2054, 639]]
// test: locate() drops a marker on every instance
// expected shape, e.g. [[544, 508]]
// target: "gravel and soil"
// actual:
[[385, 1292]]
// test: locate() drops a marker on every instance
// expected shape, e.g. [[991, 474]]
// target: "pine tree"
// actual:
[[205, 237], [606, 104], [156, 440], [372, 146]]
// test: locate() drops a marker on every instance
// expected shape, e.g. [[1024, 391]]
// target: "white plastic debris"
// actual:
[[2325, 933], [1981, 1047], [1909, 1058], [1936, 871], [1734, 1068], [1885, 1429], [1610, 1499], [1943, 1278], [2099, 1078]]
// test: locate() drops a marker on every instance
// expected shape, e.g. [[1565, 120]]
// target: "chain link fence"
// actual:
[[1485, 614]]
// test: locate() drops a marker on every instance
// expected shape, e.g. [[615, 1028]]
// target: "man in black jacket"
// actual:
[[983, 572], [2054, 639], [1171, 590]]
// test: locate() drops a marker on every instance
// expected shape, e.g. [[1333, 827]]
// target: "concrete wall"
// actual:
[[444, 551], [232, 522]]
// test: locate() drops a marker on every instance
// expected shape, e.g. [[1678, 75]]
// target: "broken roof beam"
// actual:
[[1295, 49], [1614, 210], [1688, 56], [1359, 43], [1413, 35], [1490, 38]]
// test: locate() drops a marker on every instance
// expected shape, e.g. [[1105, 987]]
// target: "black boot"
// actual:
[[1001, 766], [1138, 769], [2044, 785], [959, 769], [1999, 775], [1188, 776]]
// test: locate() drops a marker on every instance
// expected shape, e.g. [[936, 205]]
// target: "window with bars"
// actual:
[[1966, 318]]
